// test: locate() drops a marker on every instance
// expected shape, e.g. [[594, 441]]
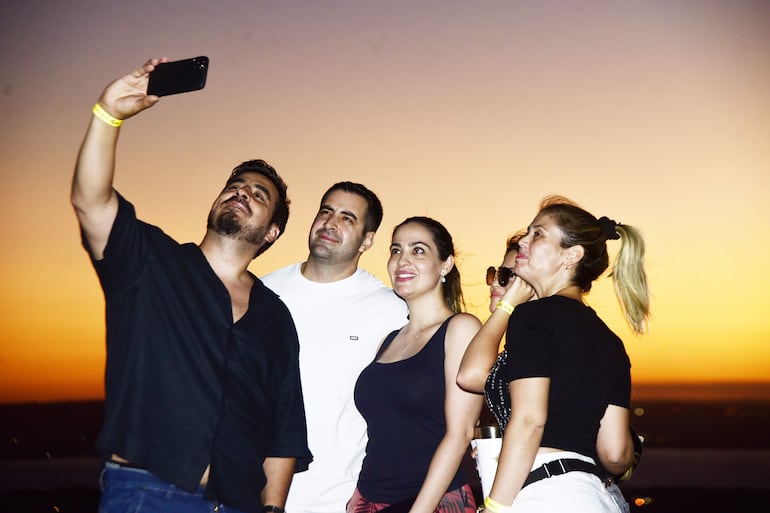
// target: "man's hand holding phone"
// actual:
[[127, 95], [141, 89]]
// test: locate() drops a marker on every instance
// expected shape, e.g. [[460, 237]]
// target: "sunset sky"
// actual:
[[655, 113]]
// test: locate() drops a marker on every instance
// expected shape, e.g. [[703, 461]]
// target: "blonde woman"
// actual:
[[563, 383]]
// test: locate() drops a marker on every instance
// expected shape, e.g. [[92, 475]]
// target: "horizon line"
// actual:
[[652, 390]]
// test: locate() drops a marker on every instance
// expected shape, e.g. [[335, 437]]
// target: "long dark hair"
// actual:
[[453, 294]]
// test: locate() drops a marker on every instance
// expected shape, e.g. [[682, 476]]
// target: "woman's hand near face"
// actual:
[[483, 349], [518, 292]]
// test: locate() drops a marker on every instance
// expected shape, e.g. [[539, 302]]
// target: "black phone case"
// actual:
[[178, 76]]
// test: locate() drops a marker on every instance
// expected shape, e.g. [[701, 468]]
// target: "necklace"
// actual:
[[402, 346], [411, 339]]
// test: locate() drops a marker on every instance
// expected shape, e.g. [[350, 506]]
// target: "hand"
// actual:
[[127, 96], [518, 292]]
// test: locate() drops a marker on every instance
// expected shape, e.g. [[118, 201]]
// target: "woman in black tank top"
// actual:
[[419, 421]]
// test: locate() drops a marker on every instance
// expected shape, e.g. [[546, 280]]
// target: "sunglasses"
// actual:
[[504, 275]]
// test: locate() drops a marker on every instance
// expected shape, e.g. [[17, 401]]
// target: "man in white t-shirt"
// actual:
[[342, 313]]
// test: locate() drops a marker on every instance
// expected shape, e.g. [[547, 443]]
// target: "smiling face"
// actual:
[[244, 209], [337, 233], [495, 290], [414, 266]]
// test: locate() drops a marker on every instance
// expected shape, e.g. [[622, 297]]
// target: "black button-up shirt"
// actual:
[[185, 386]]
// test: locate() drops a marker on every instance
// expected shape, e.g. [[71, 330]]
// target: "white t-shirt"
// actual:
[[340, 326]]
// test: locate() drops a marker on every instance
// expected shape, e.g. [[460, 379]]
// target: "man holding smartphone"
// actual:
[[203, 406]]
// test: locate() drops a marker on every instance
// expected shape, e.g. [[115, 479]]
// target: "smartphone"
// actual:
[[178, 76]]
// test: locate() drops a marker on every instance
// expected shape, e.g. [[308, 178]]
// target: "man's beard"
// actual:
[[229, 225]]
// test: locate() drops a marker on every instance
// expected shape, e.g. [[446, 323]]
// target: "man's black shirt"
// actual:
[[185, 386]]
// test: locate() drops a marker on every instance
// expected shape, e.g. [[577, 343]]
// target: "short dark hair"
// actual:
[[373, 216], [281, 209]]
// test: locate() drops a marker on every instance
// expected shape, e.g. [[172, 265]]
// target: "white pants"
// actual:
[[573, 492]]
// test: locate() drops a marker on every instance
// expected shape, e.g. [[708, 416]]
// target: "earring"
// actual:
[[443, 279]]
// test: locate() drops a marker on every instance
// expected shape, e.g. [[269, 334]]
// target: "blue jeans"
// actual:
[[617, 495], [131, 490]]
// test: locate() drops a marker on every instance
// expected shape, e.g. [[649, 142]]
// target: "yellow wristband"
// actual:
[[504, 306], [105, 116], [496, 507]]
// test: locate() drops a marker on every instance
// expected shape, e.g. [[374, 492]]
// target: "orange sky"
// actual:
[[655, 113]]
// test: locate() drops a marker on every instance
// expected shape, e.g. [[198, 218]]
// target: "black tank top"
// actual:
[[403, 404]]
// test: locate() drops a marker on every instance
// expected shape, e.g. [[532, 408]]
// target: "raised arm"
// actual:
[[92, 194], [483, 349], [461, 410]]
